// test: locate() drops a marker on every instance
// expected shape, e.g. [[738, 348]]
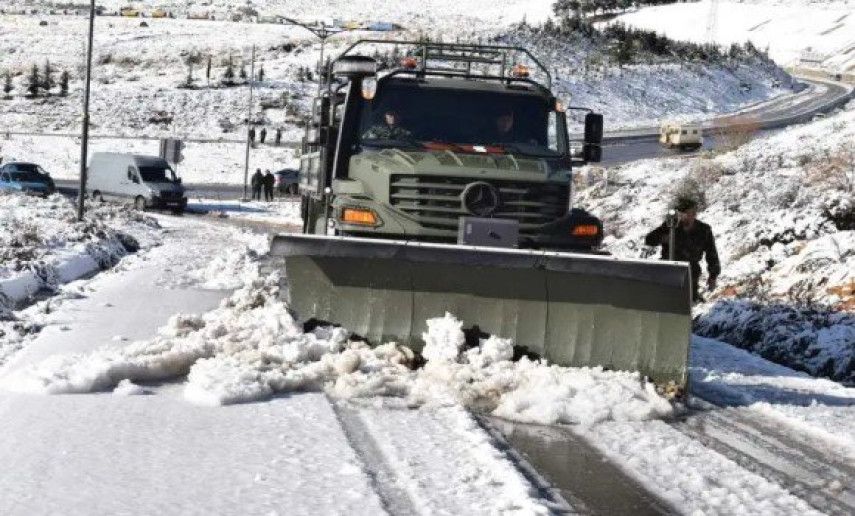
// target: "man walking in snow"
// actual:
[[262, 135], [269, 182], [278, 136], [257, 183], [693, 240]]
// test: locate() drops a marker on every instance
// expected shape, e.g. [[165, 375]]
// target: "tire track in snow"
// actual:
[[582, 475], [806, 472], [394, 498]]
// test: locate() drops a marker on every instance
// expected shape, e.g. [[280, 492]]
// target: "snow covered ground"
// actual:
[[789, 29]]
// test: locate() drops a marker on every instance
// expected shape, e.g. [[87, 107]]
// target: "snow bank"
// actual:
[[250, 348], [817, 341], [43, 246]]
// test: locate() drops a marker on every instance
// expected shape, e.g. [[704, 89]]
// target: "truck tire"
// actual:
[[139, 203]]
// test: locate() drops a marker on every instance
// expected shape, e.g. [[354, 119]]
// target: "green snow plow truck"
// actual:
[[443, 184]]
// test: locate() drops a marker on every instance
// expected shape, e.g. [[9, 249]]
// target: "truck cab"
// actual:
[[418, 151]]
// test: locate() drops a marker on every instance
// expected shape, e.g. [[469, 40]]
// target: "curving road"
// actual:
[[819, 97]]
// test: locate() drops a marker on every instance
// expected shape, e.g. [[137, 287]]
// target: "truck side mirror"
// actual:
[[593, 150], [353, 67]]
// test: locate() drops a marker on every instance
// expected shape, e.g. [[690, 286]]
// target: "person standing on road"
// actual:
[[269, 181], [252, 136], [278, 136], [257, 183], [693, 240], [262, 135]]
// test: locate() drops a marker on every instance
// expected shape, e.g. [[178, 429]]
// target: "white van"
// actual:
[[683, 136], [147, 180]]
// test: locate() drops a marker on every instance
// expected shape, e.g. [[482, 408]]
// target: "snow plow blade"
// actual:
[[572, 309]]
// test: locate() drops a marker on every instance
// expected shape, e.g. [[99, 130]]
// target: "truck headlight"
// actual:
[[360, 217]]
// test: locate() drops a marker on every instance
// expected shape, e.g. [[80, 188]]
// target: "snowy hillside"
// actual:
[[782, 209], [142, 88], [788, 28]]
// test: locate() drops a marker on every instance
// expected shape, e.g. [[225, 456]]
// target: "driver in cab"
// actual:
[[388, 128]]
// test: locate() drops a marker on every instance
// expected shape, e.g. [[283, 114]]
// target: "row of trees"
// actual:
[[625, 43], [584, 7], [39, 82], [232, 74]]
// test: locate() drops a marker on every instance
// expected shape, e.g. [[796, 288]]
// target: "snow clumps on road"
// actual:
[[250, 348]]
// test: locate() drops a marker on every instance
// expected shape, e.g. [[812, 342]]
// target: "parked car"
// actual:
[[27, 178], [287, 180], [147, 180]]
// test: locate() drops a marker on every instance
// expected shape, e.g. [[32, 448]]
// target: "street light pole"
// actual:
[[321, 31], [248, 126], [84, 144]]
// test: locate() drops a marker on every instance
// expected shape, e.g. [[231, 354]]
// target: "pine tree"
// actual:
[[261, 74], [34, 82], [243, 74], [8, 87], [208, 71], [63, 83], [48, 81], [189, 82], [229, 74]]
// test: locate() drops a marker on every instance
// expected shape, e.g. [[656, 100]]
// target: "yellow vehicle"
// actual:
[[129, 12], [683, 136], [159, 13]]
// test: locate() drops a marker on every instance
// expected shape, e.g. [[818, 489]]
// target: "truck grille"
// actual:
[[434, 201]]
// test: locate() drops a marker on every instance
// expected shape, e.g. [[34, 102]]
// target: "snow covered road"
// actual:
[[780, 442], [144, 449]]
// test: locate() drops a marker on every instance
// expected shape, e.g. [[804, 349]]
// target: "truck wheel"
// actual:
[[139, 203]]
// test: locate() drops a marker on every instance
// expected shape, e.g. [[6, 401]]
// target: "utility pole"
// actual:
[[84, 143], [248, 127]]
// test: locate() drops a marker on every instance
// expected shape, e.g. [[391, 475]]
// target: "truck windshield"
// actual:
[[157, 175], [405, 115]]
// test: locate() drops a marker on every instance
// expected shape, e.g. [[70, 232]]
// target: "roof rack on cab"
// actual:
[[464, 60]]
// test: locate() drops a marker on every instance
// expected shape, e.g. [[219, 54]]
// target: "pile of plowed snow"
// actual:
[[42, 245], [250, 348]]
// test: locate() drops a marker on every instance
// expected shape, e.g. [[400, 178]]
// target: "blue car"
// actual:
[[27, 178]]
